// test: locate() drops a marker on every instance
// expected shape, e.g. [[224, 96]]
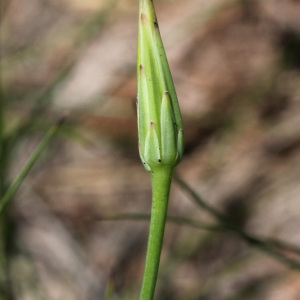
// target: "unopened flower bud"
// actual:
[[159, 119]]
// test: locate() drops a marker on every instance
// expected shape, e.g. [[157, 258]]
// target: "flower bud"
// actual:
[[159, 119]]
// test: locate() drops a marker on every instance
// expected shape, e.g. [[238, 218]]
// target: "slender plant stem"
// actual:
[[173, 219], [254, 241], [28, 165], [161, 182], [5, 286], [274, 243], [261, 244], [110, 286]]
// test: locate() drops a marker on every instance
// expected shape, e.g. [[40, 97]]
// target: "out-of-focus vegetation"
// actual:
[[72, 230]]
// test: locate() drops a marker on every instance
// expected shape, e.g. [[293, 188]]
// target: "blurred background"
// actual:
[[236, 67]]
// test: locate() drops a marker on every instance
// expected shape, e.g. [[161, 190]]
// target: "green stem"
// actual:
[[161, 182]]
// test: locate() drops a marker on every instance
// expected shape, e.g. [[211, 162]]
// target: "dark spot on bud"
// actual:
[[141, 68], [155, 24], [159, 160]]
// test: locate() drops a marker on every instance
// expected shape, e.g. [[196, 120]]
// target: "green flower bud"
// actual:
[[159, 119]]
